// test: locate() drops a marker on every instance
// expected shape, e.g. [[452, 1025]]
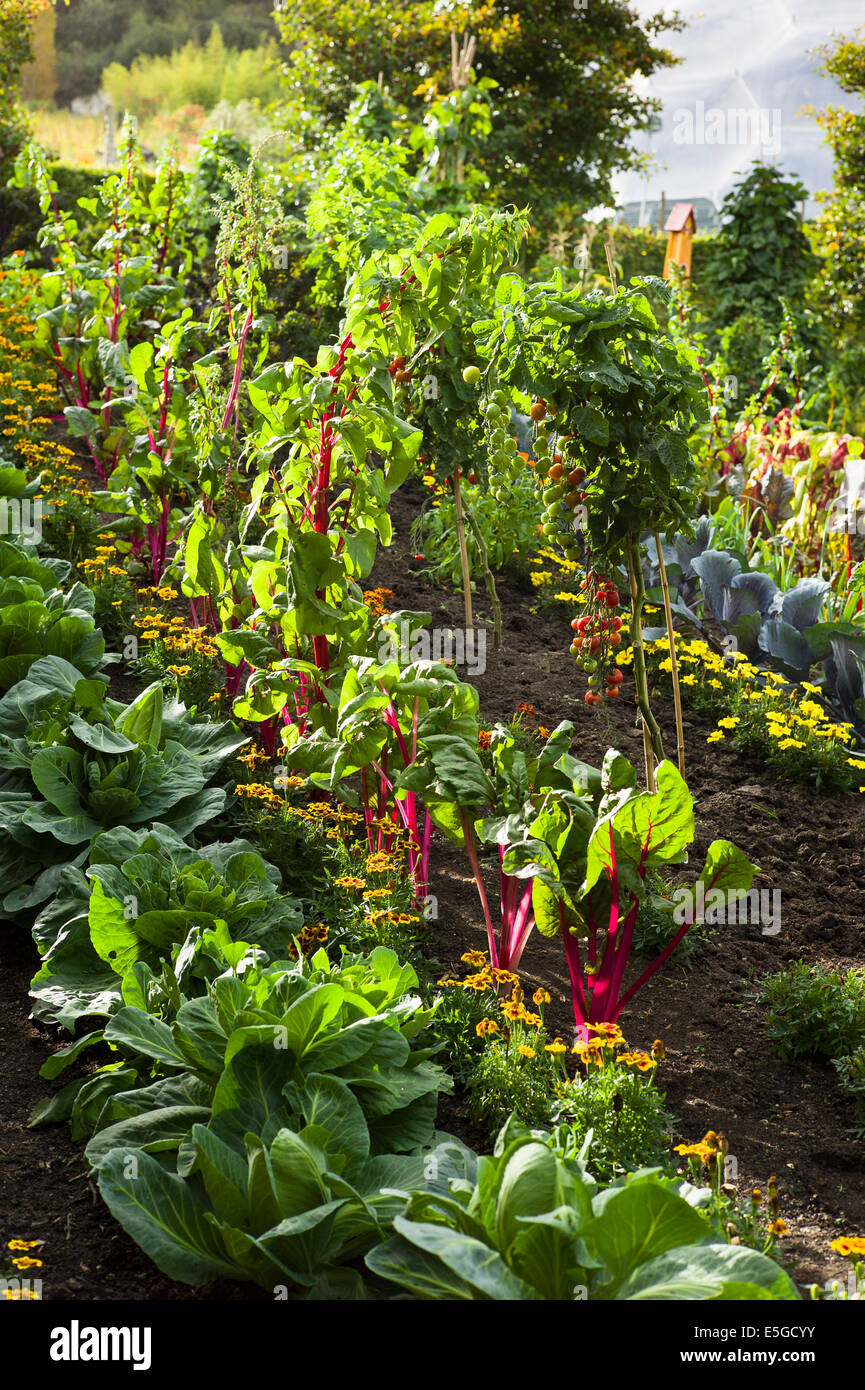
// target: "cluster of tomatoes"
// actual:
[[397, 370], [560, 481], [597, 635]]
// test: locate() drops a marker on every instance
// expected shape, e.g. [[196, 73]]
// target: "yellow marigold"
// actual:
[[347, 881], [525, 1051], [540, 996], [849, 1245], [476, 958], [487, 1028], [556, 1048]]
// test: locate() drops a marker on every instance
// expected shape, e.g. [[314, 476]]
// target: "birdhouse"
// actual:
[[680, 226]]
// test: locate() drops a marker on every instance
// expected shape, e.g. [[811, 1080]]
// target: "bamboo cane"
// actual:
[[674, 665], [489, 579], [652, 744], [464, 553]]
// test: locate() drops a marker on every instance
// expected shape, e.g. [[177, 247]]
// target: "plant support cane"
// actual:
[[652, 744], [464, 554], [674, 665], [488, 578]]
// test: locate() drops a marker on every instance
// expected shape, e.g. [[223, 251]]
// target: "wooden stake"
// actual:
[[489, 579], [611, 265], [674, 665], [464, 552], [652, 744]]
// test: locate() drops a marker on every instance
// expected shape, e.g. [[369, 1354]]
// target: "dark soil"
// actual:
[[785, 1118]]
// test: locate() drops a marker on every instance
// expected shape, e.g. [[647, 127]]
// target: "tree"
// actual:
[[94, 33], [842, 224], [565, 107], [17, 18]]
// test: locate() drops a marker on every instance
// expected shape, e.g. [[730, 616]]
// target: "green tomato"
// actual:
[[471, 375]]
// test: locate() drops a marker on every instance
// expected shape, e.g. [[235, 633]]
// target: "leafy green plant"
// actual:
[[35, 623], [145, 894], [283, 1096], [74, 764], [291, 1212], [624, 1113], [815, 1011], [530, 1223], [851, 1075], [588, 850]]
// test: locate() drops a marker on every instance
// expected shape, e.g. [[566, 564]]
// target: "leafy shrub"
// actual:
[[851, 1074], [625, 1115], [815, 1011], [194, 75]]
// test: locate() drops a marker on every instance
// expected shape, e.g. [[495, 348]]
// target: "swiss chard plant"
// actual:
[[100, 300], [331, 446], [589, 850]]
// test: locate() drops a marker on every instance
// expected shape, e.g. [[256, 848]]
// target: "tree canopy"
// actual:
[[565, 106]]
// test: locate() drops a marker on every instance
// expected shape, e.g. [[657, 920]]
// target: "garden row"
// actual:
[[237, 921]]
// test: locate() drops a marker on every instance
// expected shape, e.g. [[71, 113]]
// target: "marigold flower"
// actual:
[[487, 1028], [849, 1245], [476, 958]]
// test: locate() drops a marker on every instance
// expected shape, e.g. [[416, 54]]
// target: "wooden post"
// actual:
[[464, 553], [489, 579], [652, 746], [674, 665]]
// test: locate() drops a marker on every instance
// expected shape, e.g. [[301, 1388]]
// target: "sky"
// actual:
[[738, 95]]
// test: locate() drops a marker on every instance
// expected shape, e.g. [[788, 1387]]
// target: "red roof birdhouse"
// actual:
[[681, 226]]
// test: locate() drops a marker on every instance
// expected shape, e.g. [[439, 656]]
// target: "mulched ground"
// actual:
[[783, 1118]]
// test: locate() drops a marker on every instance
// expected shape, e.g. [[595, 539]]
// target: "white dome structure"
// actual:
[[739, 94]]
